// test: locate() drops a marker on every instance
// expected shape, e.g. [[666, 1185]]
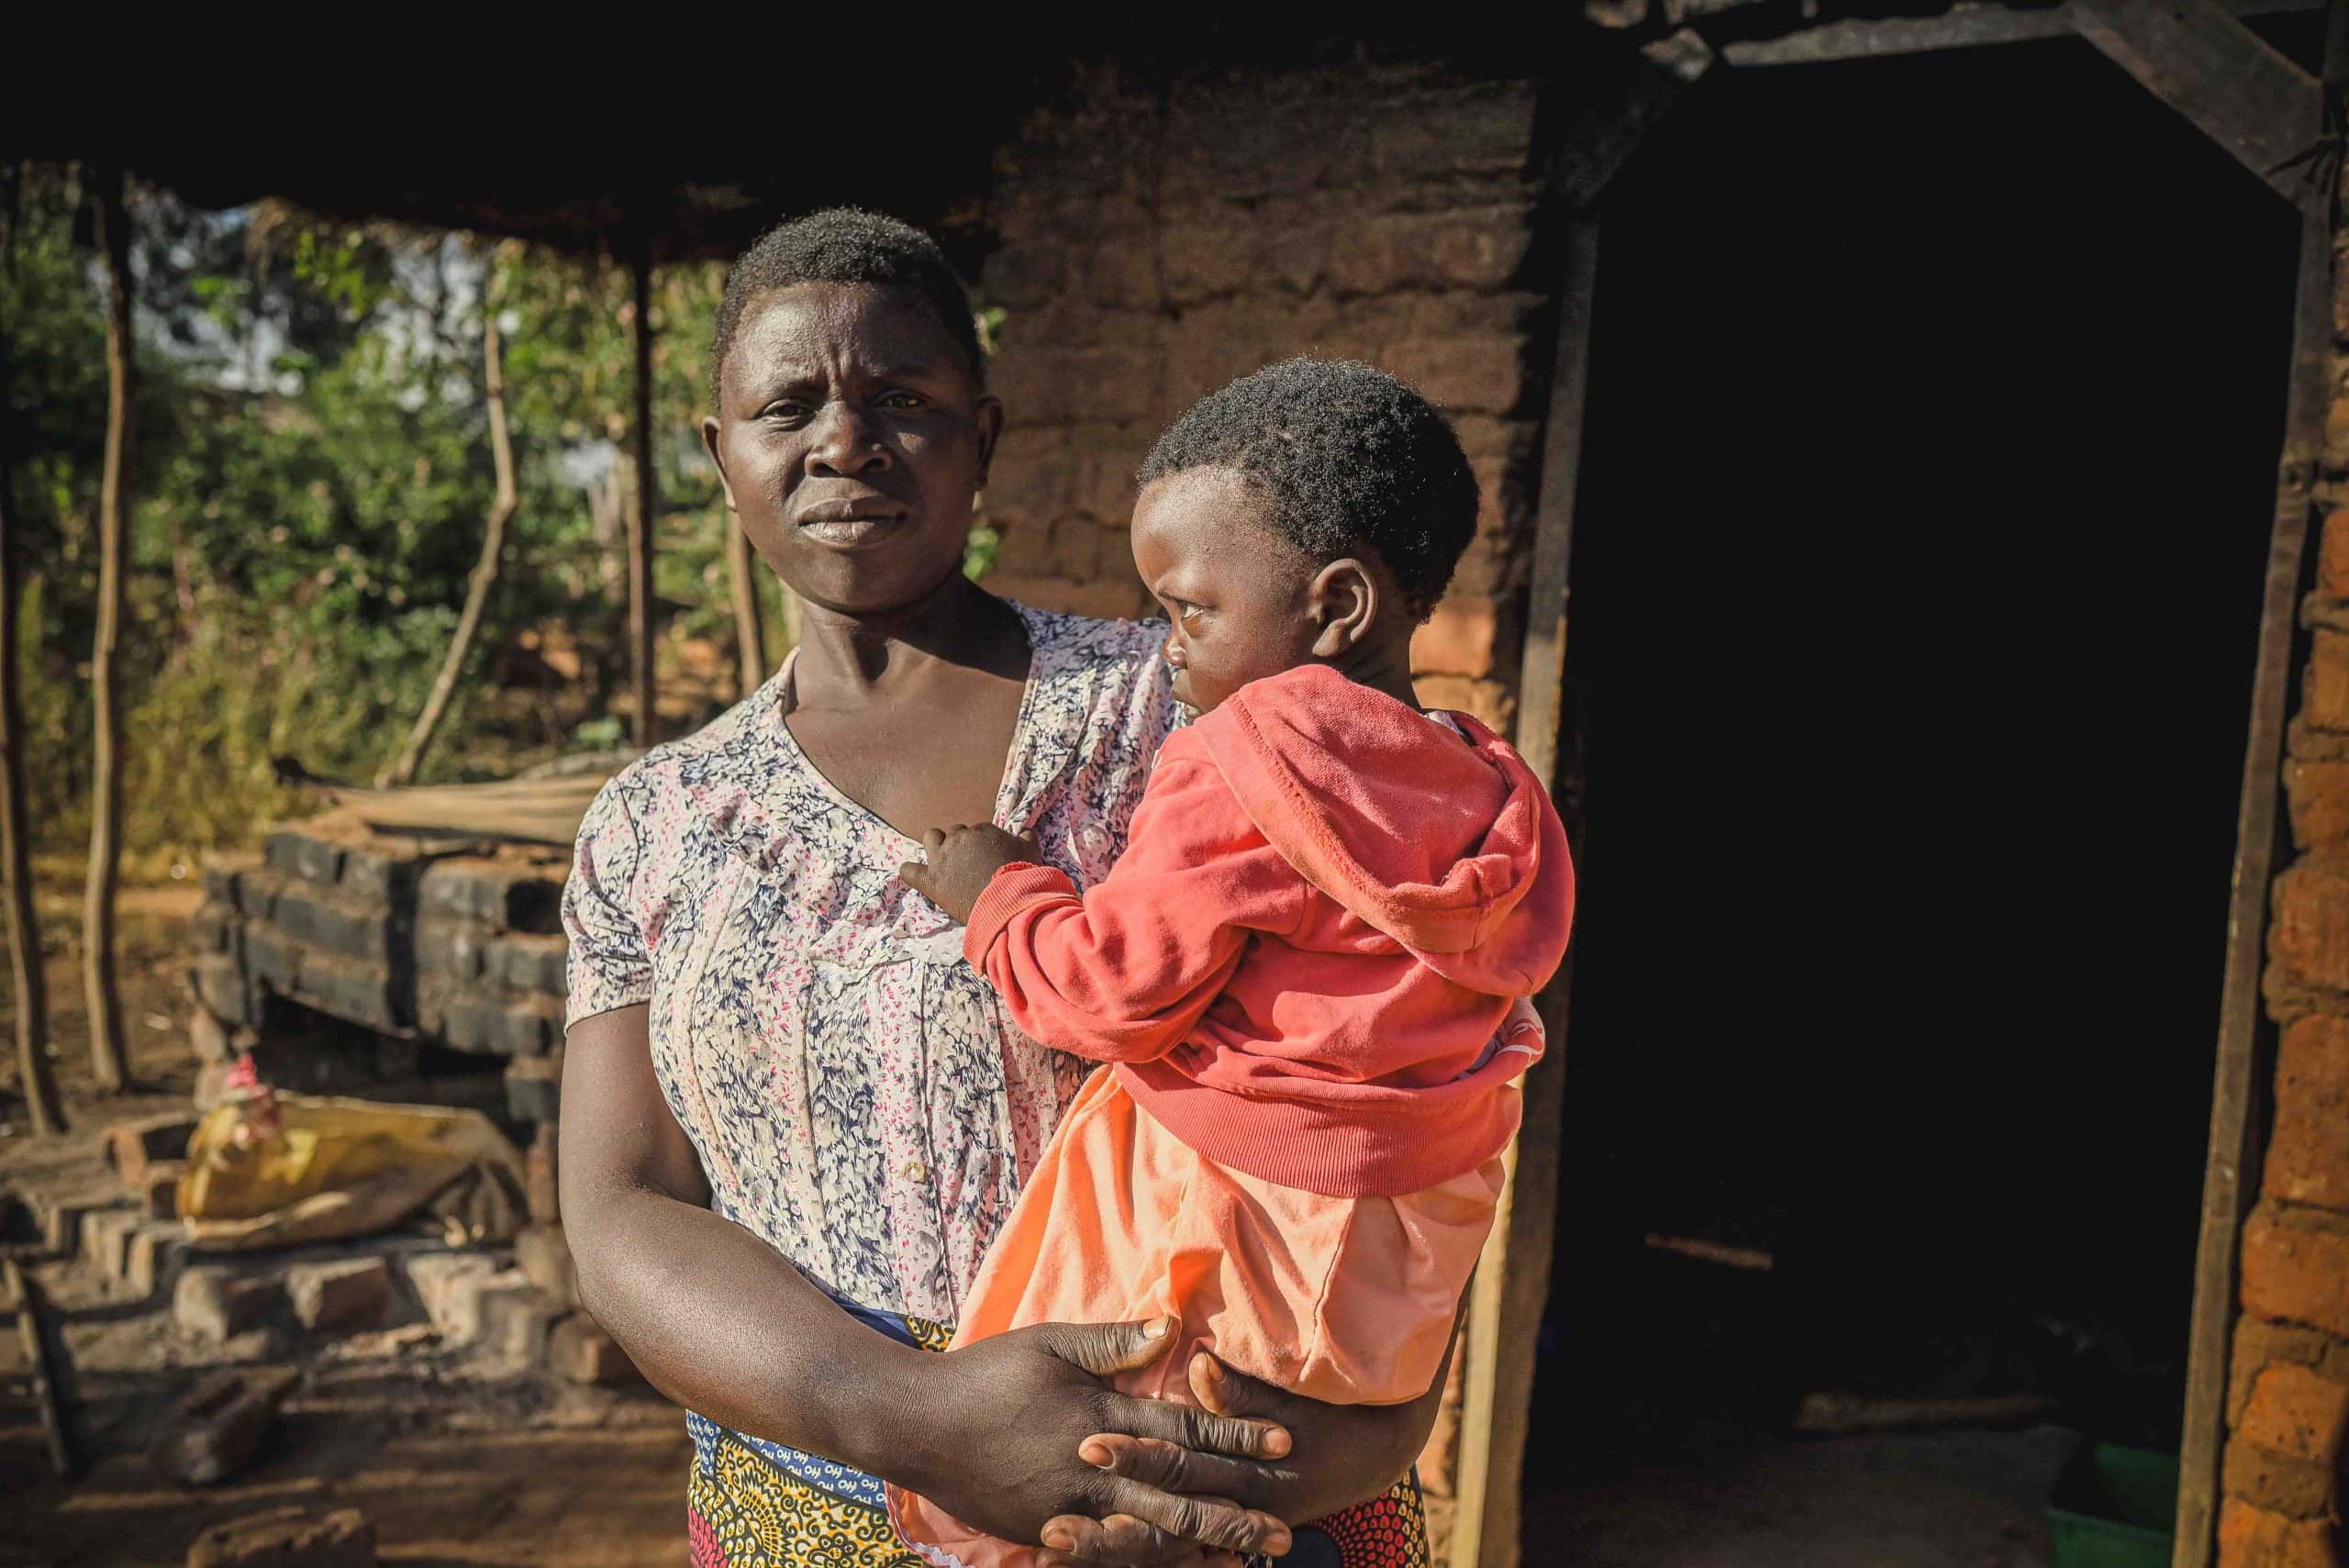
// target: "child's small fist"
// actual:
[[961, 861]]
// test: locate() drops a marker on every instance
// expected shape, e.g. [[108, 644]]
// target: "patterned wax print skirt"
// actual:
[[754, 1504]]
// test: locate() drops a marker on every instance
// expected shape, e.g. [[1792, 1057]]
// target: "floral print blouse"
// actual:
[[852, 1088]]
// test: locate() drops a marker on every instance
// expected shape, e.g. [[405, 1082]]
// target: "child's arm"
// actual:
[[1124, 971]]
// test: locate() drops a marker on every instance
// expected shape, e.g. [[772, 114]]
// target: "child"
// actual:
[[1304, 968]]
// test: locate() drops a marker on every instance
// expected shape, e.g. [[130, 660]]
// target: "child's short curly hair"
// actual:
[[847, 245], [1349, 460]]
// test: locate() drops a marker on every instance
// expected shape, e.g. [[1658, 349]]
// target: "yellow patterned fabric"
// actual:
[[746, 1513]]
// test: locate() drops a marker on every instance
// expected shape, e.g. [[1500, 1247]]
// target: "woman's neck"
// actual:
[[955, 623]]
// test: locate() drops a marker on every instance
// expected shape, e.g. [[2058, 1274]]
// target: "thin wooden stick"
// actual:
[[108, 1055], [16, 837], [484, 573], [1513, 1276], [2237, 1089]]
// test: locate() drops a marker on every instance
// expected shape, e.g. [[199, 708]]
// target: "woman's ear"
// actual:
[[987, 414], [1343, 602], [718, 458]]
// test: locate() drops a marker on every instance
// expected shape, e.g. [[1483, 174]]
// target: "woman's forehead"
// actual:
[[823, 327]]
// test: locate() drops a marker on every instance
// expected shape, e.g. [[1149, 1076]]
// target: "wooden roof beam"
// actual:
[[1966, 24], [2242, 92]]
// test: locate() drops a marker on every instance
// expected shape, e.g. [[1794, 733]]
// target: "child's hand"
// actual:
[[963, 860]]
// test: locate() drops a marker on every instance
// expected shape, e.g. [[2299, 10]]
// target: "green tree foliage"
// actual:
[[312, 476]]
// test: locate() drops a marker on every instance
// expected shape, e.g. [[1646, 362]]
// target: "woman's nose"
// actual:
[[845, 443]]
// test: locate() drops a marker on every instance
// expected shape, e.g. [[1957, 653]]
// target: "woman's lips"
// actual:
[[843, 525]]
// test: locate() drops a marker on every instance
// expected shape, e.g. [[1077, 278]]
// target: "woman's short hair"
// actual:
[[1349, 460], [846, 245]]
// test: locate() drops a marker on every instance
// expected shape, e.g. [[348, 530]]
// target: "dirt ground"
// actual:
[[454, 1466]]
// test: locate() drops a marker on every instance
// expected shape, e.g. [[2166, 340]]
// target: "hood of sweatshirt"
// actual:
[[1450, 848]]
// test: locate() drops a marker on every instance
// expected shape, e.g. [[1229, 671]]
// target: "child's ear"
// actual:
[[1344, 601]]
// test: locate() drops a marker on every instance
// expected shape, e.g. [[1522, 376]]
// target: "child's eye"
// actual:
[[1184, 611], [901, 400]]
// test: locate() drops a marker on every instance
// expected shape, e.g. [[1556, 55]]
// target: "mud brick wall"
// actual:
[[1158, 242], [2288, 1397]]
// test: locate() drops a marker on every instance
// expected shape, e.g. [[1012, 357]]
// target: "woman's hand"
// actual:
[[1002, 1422], [1347, 1454], [961, 861]]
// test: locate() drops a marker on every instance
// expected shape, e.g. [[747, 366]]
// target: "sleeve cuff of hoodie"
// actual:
[[1016, 888]]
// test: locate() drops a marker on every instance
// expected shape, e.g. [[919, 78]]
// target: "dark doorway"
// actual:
[[1928, 468]]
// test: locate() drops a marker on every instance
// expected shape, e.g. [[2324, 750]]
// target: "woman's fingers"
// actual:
[[1171, 1467], [1102, 1348], [1227, 1392], [1121, 1541], [1205, 1430], [1213, 1522]]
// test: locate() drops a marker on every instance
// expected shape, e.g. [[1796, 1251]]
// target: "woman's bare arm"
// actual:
[[722, 1323]]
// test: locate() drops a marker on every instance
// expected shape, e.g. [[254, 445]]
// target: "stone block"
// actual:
[[290, 1537], [579, 1350], [154, 1257], [2253, 1537], [542, 1175], [211, 1433], [216, 1303], [544, 1256], [344, 1294], [218, 981], [298, 854], [534, 1087], [531, 962], [132, 1146], [452, 947]]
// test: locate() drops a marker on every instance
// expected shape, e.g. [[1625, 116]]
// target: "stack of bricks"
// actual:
[[1158, 244], [2288, 1397], [419, 943]]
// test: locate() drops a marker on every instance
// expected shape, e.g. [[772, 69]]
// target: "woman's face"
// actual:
[[851, 437]]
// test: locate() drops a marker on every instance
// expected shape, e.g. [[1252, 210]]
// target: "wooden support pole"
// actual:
[[750, 627], [483, 579], [2243, 93], [1513, 1276], [109, 1057], [2239, 1072], [16, 846], [644, 513]]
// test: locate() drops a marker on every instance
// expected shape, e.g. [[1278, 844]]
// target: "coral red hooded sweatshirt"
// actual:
[[1327, 906]]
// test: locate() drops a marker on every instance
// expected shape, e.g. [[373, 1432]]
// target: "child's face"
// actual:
[[1238, 596]]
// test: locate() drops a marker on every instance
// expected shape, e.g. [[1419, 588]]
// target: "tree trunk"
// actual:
[[750, 630], [484, 575], [107, 1053], [647, 507], [15, 849]]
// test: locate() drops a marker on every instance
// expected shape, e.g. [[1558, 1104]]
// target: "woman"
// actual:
[[792, 1116]]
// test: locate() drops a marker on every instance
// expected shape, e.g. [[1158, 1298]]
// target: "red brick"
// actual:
[[2298, 1488], [2325, 705], [2336, 434], [2308, 1154], [2310, 938], [2296, 1267], [2251, 1537], [2258, 1343], [2332, 557], [1487, 375], [1201, 262], [1488, 700], [1462, 638], [1117, 598], [2295, 1413], [2318, 789]]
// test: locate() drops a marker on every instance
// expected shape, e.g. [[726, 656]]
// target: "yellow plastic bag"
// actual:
[[334, 1167]]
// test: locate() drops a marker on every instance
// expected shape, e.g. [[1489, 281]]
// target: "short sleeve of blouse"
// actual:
[[609, 965]]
